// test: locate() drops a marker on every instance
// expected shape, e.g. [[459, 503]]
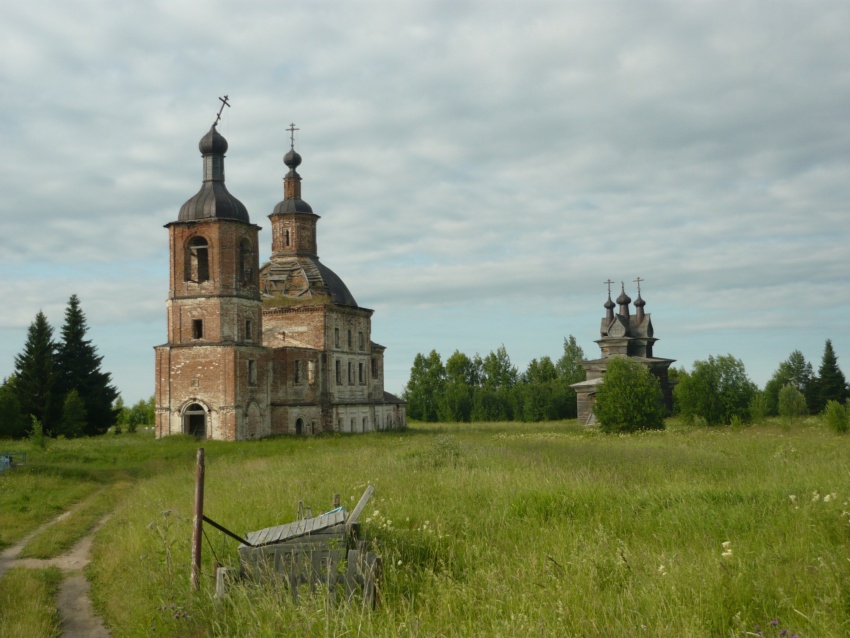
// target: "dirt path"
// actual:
[[74, 603]]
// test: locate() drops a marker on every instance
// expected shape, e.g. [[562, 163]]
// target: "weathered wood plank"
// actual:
[[360, 507]]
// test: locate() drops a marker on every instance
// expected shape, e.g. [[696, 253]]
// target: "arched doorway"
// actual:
[[195, 420], [299, 427]]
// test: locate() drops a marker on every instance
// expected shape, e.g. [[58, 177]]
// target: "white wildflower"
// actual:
[[815, 497], [726, 544]]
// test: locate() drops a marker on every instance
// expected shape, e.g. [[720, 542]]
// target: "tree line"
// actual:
[[58, 387], [143, 412], [492, 389], [716, 391]]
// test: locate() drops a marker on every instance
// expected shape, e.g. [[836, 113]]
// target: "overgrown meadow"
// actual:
[[502, 530]]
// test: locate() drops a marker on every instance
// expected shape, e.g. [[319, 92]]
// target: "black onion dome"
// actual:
[[213, 142], [609, 304], [213, 201], [624, 299], [639, 302], [292, 206], [292, 159], [293, 203]]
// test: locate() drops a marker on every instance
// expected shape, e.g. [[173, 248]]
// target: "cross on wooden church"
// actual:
[[637, 281], [609, 282]]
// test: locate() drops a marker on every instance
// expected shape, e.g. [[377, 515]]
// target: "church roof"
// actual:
[[304, 277], [213, 201], [292, 205]]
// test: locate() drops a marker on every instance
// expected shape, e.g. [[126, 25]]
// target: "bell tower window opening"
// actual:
[[338, 372], [197, 328], [349, 339], [198, 260], [249, 330], [360, 372], [297, 371], [286, 237], [350, 373], [374, 368]]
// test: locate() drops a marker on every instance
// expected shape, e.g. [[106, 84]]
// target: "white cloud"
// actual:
[[471, 159]]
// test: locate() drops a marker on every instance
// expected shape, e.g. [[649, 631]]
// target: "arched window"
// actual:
[[246, 261], [198, 260]]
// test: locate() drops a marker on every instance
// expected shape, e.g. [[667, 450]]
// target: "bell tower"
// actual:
[[293, 220], [214, 312]]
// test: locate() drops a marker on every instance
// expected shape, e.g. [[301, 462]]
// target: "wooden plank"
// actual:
[[360, 507], [262, 535]]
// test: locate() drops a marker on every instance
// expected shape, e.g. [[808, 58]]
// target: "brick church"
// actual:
[[622, 335], [256, 351]]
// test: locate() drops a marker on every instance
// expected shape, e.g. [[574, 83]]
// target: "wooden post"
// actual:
[[336, 501], [198, 521]]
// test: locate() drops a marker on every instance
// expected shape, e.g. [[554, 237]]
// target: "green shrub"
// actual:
[[792, 403], [758, 407], [836, 417], [630, 399]]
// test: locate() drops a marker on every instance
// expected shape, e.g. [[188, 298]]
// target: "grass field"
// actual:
[[487, 530]]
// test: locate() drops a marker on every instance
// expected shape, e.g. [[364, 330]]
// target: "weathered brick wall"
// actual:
[[223, 238], [301, 229], [298, 326]]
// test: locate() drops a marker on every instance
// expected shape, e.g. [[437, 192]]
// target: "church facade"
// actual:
[[622, 335], [255, 351]]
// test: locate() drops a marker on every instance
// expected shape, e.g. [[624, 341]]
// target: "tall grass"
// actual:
[[510, 529], [27, 603]]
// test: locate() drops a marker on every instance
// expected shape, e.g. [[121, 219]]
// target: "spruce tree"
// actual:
[[78, 368], [832, 386], [35, 374], [13, 422]]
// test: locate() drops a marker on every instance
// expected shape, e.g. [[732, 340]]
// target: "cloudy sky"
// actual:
[[480, 167]]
